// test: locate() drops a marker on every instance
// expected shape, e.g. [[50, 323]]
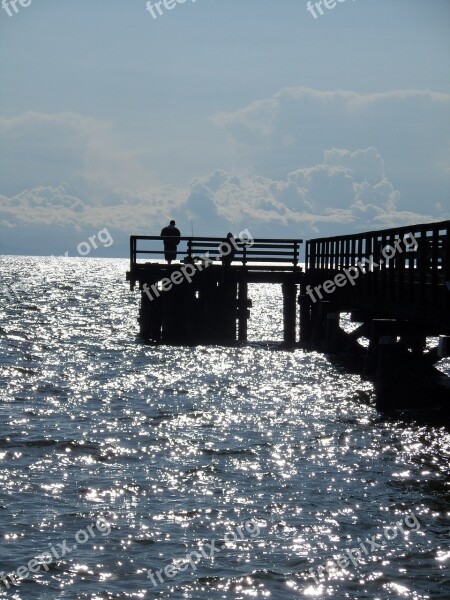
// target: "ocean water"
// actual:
[[137, 471]]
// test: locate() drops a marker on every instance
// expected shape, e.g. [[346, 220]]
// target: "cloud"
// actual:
[[310, 163], [294, 127], [69, 149], [346, 192]]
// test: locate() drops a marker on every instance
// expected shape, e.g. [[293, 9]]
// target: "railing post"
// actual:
[[446, 268], [132, 251], [243, 307], [434, 266]]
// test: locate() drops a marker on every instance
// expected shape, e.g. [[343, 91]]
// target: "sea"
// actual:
[[139, 471]]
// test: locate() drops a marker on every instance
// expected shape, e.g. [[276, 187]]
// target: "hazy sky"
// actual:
[[223, 114]]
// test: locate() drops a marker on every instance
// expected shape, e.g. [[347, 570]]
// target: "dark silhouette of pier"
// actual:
[[395, 283], [403, 273], [204, 297]]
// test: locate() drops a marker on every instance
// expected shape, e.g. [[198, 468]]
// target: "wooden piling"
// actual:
[[332, 332], [378, 328], [150, 317], [444, 346], [289, 312], [228, 303], [304, 302], [243, 310], [388, 386]]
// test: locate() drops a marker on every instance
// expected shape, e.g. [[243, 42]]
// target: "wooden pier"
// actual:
[[404, 273], [203, 298], [395, 283]]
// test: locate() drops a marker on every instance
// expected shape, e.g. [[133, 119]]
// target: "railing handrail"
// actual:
[[217, 239], [251, 250], [345, 250], [382, 232]]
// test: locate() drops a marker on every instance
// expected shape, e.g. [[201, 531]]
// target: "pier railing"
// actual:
[[405, 269], [245, 251]]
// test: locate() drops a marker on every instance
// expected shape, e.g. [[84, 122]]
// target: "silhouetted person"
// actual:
[[228, 249], [170, 245]]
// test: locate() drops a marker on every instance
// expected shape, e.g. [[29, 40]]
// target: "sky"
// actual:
[[221, 114]]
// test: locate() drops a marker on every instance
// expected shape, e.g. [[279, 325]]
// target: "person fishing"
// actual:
[[227, 249], [171, 235]]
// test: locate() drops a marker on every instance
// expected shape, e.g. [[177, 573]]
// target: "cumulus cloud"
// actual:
[[51, 219], [409, 128], [347, 191], [310, 163]]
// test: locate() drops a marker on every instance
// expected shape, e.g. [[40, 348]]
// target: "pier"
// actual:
[[394, 283], [204, 298]]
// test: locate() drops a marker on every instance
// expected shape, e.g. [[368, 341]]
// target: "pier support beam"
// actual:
[[444, 346], [319, 316], [289, 312], [388, 380], [150, 317], [305, 318], [243, 310], [332, 333], [227, 303]]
